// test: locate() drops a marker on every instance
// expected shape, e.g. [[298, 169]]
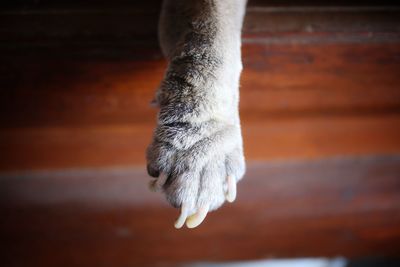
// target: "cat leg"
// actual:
[[197, 144]]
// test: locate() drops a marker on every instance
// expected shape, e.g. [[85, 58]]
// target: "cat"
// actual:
[[197, 148]]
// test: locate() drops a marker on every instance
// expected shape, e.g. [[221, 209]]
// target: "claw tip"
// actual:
[[197, 218], [231, 192]]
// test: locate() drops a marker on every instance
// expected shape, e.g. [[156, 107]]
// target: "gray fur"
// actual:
[[198, 140]]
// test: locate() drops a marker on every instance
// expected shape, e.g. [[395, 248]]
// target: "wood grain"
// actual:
[[320, 109], [297, 101], [74, 147], [278, 80]]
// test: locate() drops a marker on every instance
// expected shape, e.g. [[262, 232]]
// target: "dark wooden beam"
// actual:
[[104, 29]]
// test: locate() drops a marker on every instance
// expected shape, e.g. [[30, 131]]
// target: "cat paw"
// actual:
[[197, 167]]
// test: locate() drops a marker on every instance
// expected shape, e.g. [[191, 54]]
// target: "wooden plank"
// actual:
[[153, 4], [101, 29], [124, 145], [321, 137], [95, 109], [22, 5], [278, 81], [102, 25], [91, 26], [73, 93], [296, 80], [344, 206], [296, 101]]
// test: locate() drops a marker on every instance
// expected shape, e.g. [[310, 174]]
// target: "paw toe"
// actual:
[[235, 164], [182, 189], [211, 191], [231, 188]]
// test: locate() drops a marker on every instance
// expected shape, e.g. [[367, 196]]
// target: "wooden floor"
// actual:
[[320, 109]]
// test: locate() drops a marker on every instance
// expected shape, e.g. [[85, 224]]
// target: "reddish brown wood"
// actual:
[[278, 80], [302, 80], [75, 93], [52, 148], [337, 207], [297, 101], [75, 82]]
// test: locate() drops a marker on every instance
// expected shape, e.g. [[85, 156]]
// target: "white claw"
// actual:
[[231, 192], [182, 217], [157, 184], [197, 218]]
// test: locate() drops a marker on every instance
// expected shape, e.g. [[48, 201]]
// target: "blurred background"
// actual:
[[320, 109]]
